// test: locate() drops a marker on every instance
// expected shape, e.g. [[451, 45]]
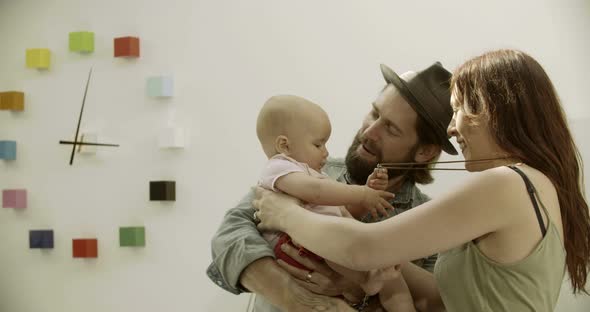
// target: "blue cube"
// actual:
[[42, 239], [8, 150], [160, 86]]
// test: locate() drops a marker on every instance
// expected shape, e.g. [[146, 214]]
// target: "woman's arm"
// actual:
[[478, 208]]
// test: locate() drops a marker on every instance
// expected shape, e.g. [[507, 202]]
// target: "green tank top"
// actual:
[[470, 281]]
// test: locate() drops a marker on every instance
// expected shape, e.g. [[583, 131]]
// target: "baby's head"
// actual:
[[296, 127]]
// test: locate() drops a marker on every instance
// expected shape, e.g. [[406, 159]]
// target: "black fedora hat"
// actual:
[[428, 92]]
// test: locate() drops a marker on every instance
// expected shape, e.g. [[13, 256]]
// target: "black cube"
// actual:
[[163, 190]]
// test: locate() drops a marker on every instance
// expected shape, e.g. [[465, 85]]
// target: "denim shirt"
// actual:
[[237, 242]]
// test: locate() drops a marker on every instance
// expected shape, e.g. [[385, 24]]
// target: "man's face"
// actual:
[[388, 135]]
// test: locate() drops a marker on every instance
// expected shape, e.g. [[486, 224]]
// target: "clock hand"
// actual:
[[86, 143], [80, 118]]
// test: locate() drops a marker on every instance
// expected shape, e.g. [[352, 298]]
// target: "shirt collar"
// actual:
[[405, 194]]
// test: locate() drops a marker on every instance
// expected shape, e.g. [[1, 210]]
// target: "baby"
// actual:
[[293, 133]]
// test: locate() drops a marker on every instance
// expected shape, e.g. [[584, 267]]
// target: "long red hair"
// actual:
[[526, 119]]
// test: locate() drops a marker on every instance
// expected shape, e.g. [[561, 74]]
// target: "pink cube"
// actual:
[[14, 198]]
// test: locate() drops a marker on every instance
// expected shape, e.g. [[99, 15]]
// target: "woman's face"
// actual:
[[473, 136]]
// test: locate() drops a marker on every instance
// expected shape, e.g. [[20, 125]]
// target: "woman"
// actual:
[[507, 236]]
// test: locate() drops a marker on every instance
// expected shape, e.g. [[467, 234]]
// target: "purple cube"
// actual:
[[42, 239], [14, 198]]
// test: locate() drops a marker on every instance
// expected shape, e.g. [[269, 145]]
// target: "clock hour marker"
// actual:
[[163, 190], [38, 58], [85, 248], [126, 47], [41, 239], [8, 150], [14, 198], [12, 100], [132, 236], [82, 41]]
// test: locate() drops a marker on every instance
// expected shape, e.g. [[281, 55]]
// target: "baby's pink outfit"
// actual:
[[281, 165]]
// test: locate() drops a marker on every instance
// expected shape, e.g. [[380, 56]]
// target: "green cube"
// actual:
[[82, 41], [133, 236]]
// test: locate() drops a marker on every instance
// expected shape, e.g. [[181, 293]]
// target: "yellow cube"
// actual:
[[38, 58], [12, 100]]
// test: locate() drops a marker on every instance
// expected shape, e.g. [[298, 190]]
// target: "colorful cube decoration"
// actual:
[[160, 86], [14, 199], [38, 58], [12, 100], [85, 248], [82, 41], [88, 137], [42, 239], [127, 47], [171, 137], [163, 190], [8, 150], [133, 236]]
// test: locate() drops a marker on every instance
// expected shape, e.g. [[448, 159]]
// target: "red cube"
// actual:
[[127, 47], [85, 248]]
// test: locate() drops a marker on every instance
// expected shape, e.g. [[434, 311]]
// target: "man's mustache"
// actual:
[[371, 147]]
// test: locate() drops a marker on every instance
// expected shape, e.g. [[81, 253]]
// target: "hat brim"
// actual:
[[391, 77]]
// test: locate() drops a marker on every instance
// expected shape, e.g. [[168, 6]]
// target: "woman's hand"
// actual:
[[272, 209]]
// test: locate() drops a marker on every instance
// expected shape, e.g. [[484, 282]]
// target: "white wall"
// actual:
[[227, 58]]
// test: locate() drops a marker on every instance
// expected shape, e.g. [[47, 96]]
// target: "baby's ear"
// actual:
[[282, 144]]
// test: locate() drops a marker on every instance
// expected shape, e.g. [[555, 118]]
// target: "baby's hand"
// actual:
[[376, 202], [384, 274], [378, 180], [374, 279]]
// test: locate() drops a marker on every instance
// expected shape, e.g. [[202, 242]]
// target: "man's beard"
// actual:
[[359, 169]]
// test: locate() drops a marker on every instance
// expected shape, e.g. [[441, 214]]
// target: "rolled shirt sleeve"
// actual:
[[235, 245]]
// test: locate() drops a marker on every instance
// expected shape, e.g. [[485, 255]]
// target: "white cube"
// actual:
[[171, 137], [87, 137], [160, 86]]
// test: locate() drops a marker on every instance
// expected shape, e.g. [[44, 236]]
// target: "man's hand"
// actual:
[[303, 300], [265, 278], [322, 279]]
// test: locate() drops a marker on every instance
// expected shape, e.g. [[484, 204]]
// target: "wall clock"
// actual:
[[171, 137]]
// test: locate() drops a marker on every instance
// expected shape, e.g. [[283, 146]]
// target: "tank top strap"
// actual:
[[534, 199]]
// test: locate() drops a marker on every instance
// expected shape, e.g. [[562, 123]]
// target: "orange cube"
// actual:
[[127, 47], [85, 248], [12, 100]]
